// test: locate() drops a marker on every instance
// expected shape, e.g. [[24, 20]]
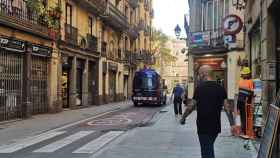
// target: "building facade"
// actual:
[[177, 71], [213, 42], [262, 49], [70, 53]]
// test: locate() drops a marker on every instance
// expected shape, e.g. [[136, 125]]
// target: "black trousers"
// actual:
[[177, 105], [207, 145]]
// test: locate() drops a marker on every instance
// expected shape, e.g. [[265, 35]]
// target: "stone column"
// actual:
[[73, 80], [85, 84], [54, 82], [26, 102]]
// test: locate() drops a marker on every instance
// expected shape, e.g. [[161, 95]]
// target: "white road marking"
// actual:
[[64, 142], [24, 143], [97, 144]]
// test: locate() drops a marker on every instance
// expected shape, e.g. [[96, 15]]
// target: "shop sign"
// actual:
[[232, 25], [199, 39], [11, 44], [41, 50]]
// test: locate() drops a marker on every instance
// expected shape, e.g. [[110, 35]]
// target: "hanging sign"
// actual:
[[199, 39], [232, 25]]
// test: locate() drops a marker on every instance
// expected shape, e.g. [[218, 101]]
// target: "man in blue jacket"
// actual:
[[178, 93]]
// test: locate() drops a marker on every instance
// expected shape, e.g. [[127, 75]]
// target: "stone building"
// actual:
[[72, 53], [262, 47], [177, 71], [214, 42]]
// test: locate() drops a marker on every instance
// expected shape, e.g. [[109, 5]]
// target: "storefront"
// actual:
[[24, 78], [217, 64], [112, 70], [125, 82]]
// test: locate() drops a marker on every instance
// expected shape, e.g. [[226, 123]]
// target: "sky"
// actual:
[[169, 13]]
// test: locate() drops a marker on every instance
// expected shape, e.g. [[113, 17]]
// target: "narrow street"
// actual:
[[82, 138], [132, 132]]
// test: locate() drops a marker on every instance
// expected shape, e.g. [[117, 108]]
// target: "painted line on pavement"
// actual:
[[97, 144], [84, 120], [24, 143], [64, 142]]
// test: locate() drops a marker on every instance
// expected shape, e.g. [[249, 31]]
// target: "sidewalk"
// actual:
[[168, 139], [45, 122]]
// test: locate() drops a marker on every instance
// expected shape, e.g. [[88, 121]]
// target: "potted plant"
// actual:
[[55, 12]]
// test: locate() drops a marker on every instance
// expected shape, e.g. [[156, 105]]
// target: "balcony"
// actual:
[[141, 25], [206, 42], [71, 35], [127, 57], [133, 31], [133, 3], [92, 43], [147, 31], [104, 49], [115, 18], [96, 6], [20, 18], [133, 58], [146, 5]]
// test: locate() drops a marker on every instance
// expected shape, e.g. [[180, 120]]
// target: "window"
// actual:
[[126, 12], [68, 14], [210, 15], [131, 17], [90, 25]]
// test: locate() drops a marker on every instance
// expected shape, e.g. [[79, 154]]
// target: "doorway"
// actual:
[[65, 82]]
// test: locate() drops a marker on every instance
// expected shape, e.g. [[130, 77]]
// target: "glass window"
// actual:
[[210, 15], [68, 14], [90, 25]]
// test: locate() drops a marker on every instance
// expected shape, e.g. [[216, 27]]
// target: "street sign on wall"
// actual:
[[199, 39]]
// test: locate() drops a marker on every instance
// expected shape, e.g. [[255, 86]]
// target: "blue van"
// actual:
[[148, 88]]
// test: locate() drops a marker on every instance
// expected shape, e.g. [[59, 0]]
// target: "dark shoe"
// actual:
[[182, 121]]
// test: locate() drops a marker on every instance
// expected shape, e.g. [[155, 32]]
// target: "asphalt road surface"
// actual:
[[82, 139]]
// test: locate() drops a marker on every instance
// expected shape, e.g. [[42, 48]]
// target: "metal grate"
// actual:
[[39, 84], [11, 77]]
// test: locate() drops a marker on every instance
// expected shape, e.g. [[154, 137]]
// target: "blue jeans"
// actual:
[[207, 145]]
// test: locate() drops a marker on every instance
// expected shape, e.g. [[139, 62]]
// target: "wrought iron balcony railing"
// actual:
[[207, 40], [92, 43], [19, 17], [147, 30], [141, 25], [116, 18], [71, 35], [133, 31]]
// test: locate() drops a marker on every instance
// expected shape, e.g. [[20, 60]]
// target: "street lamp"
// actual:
[[177, 31]]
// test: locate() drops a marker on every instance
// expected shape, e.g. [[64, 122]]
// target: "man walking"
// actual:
[[178, 92], [209, 98]]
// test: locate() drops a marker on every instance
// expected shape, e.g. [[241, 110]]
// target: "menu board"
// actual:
[[270, 132]]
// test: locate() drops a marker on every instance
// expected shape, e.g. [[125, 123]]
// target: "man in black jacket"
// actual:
[[209, 98]]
